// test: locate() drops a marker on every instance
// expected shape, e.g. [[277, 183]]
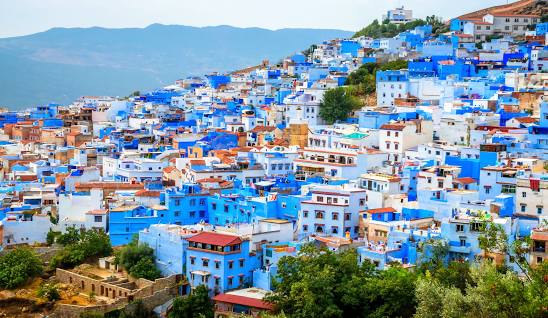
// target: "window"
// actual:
[[460, 227], [305, 214], [192, 260], [388, 133], [230, 264], [539, 210], [508, 188], [177, 202], [192, 202], [335, 216], [319, 214], [229, 281], [217, 264], [347, 216], [98, 218], [524, 194], [487, 190], [320, 199], [202, 201], [462, 242], [192, 214], [217, 281], [523, 207], [205, 262], [241, 263], [305, 228], [476, 226], [380, 233], [362, 202]]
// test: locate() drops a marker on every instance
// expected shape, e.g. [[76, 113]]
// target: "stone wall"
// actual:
[[150, 302], [90, 285], [151, 293]]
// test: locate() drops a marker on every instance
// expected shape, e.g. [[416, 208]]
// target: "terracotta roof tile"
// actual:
[[215, 239], [242, 300]]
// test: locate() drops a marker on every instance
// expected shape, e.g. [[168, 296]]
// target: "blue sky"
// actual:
[[20, 17]]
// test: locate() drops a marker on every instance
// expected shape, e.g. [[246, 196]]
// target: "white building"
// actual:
[[341, 163], [398, 15], [332, 211], [74, 206], [532, 197], [383, 191], [24, 229], [397, 137]]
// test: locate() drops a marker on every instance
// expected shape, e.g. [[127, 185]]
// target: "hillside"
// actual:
[[537, 7], [62, 64]]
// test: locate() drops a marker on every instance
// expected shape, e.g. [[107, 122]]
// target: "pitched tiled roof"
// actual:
[[215, 239], [465, 180], [109, 185], [393, 126], [245, 301], [381, 210], [97, 212], [539, 236], [169, 169], [147, 193], [258, 129], [526, 120]]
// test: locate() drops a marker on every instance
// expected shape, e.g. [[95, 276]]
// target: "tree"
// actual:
[[49, 291], [387, 29], [491, 293], [364, 78], [17, 266], [80, 246], [337, 104], [52, 236], [321, 283], [138, 260], [308, 52], [71, 236], [145, 268], [483, 289], [196, 304]]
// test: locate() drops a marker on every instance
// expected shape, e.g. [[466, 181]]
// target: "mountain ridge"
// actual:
[[128, 59]]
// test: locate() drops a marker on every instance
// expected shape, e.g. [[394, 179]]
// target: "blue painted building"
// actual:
[[221, 262]]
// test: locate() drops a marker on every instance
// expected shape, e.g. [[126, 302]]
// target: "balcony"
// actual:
[[456, 247]]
